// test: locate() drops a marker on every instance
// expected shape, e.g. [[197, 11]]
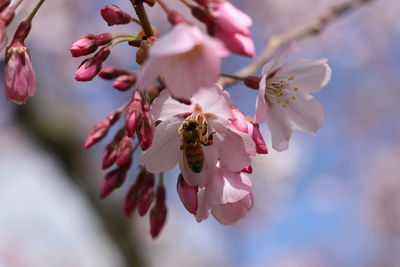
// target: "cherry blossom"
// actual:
[[186, 59], [212, 105], [284, 99]]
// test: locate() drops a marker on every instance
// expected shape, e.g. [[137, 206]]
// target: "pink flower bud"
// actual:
[[4, 4], [187, 194], [3, 35], [134, 113], [254, 131], [84, 46], [110, 153], [132, 198], [109, 73], [175, 17], [158, 213], [146, 131], [8, 14], [104, 38], [125, 150], [113, 15], [124, 82], [112, 180], [98, 131], [239, 121], [92, 66], [20, 80], [146, 195]]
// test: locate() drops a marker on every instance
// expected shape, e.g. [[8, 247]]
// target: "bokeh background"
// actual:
[[330, 200]]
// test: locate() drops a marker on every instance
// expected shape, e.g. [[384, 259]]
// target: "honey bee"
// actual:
[[195, 132]]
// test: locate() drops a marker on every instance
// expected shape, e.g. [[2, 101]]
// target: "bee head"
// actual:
[[189, 125]]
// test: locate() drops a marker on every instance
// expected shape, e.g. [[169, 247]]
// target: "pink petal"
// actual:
[[230, 213], [261, 106], [279, 58], [203, 207], [165, 107], [280, 131], [214, 100], [237, 43], [164, 152], [227, 187], [151, 69], [230, 18], [234, 146], [309, 75]]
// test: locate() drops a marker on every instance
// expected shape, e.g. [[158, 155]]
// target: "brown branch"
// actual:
[[142, 15], [276, 41]]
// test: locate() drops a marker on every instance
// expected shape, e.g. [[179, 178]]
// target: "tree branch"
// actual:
[[275, 41], [142, 15]]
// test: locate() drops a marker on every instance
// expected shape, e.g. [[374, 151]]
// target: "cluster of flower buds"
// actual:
[[182, 117]]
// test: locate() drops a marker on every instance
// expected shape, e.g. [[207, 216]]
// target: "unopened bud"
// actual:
[[110, 153], [143, 51], [89, 44], [146, 131], [134, 194], [158, 213], [146, 195], [113, 15], [252, 82], [124, 82], [90, 67], [187, 194], [125, 150], [109, 73], [112, 180], [20, 79], [98, 131], [134, 113]]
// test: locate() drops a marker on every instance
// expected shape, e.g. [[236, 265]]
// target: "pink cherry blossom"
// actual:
[[186, 59], [228, 197], [284, 99], [20, 80], [232, 27], [230, 146]]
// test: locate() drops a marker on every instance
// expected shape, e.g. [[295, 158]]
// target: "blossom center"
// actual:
[[192, 54], [280, 91]]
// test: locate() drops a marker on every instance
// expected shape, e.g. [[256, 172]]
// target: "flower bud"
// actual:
[[158, 213], [109, 73], [125, 150], [8, 14], [20, 80], [134, 113], [143, 52], [187, 194], [146, 195], [98, 131], [175, 17], [89, 43], [146, 131], [3, 35], [247, 169], [124, 82], [110, 153], [113, 15], [112, 180], [132, 198], [92, 66]]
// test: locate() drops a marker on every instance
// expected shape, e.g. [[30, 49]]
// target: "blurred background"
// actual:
[[330, 200]]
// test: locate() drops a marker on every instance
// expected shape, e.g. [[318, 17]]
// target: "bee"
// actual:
[[195, 132]]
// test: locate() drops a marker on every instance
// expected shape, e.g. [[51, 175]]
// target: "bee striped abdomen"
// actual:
[[194, 157]]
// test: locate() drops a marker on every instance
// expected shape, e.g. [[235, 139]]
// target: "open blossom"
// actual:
[[197, 149], [232, 27], [20, 80], [284, 99], [228, 197], [186, 59]]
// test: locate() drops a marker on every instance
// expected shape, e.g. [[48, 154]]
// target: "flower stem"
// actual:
[[124, 36], [231, 76], [142, 15], [34, 11], [187, 3], [121, 41], [161, 176]]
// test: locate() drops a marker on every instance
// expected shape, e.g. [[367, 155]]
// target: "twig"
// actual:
[[142, 15], [274, 42]]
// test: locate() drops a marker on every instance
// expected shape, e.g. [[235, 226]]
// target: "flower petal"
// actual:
[[214, 100], [164, 152], [234, 146], [203, 207], [261, 106], [308, 75], [278, 59], [165, 107], [151, 69], [230, 213], [280, 131], [227, 187]]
